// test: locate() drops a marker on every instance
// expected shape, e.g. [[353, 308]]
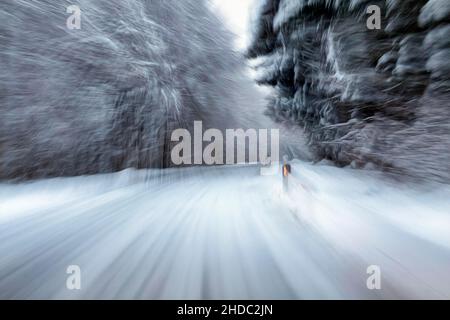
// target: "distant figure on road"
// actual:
[[286, 172]]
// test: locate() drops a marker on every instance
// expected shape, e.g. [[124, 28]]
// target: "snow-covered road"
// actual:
[[224, 233]]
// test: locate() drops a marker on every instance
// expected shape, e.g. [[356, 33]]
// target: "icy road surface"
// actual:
[[220, 233]]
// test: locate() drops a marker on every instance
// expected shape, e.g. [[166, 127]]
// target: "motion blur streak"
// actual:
[[224, 233]]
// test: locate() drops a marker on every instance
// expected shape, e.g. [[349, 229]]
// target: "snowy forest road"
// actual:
[[224, 233]]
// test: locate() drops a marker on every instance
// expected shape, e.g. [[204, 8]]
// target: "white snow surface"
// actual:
[[225, 233]]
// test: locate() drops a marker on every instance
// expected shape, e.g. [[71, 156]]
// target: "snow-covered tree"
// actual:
[[362, 95], [106, 97]]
